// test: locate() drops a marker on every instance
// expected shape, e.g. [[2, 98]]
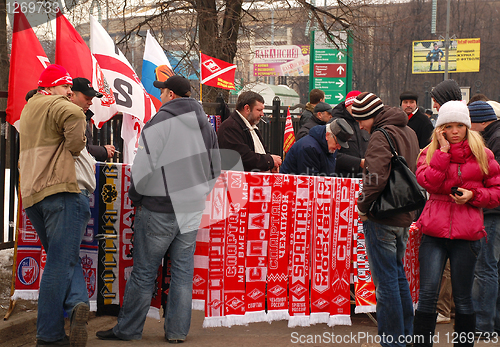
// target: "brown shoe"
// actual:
[[78, 328]]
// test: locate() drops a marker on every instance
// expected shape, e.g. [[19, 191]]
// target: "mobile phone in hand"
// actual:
[[455, 191]]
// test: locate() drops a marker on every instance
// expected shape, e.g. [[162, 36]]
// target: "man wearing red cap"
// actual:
[[350, 161], [52, 132]]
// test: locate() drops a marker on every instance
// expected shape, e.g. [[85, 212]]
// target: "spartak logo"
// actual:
[[216, 304], [320, 303], [108, 98], [235, 303], [255, 294], [277, 290], [339, 300], [211, 65], [364, 293], [198, 280], [298, 290]]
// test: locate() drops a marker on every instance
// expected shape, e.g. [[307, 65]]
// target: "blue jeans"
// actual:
[[60, 221], [434, 252], [154, 234], [485, 288], [386, 246]]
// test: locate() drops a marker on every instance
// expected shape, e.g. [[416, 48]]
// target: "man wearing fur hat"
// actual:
[[52, 132], [386, 238], [417, 120], [485, 288], [350, 161]]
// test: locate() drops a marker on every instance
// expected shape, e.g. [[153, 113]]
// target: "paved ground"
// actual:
[[19, 330]]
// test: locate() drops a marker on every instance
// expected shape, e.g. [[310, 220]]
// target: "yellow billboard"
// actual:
[[428, 56]]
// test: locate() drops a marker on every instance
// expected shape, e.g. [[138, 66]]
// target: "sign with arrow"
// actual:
[[331, 66]]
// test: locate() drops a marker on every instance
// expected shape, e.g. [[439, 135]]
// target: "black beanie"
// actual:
[[407, 96], [445, 91]]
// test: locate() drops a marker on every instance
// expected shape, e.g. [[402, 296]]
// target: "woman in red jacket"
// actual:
[[462, 176]]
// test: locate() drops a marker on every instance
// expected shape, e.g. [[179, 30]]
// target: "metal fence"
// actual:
[[272, 133]]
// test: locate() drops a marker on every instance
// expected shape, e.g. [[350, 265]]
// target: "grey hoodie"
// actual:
[[177, 161]]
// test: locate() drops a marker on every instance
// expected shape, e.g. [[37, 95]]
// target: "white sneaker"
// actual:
[[442, 319]]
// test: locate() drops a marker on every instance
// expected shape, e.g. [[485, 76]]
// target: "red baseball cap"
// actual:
[[54, 75], [349, 99]]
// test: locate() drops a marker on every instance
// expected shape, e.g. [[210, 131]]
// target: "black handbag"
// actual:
[[402, 193]]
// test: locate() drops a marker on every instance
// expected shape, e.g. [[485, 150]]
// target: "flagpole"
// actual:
[[201, 90]]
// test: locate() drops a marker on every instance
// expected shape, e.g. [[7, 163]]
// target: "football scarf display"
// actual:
[[269, 247]]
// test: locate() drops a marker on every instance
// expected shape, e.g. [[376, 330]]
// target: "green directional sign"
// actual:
[[331, 66]]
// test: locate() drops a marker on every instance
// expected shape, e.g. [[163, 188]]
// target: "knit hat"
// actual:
[[366, 106], [349, 99], [322, 107], [54, 75], [342, 131], [496, 107], [407, 96], [446, 91], [481, 111], [453, 111]]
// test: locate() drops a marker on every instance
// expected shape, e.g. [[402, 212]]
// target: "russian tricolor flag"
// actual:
[[155, 66]]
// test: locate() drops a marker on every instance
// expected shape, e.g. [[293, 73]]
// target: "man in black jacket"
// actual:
[[315, 96], [175, 168], [239, 133], [350, 161], [83, 93], [485, 288], [322, 114], [417, 120]]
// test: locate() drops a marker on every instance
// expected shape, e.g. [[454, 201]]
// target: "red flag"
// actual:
[[71, 51], [27, 61], [74, 54], [289, 138], [216, 73]]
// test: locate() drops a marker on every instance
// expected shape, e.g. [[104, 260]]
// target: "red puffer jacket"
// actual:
[[442, 217]]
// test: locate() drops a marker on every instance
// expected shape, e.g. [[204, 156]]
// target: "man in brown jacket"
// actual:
[[52, 131], [386, 239]]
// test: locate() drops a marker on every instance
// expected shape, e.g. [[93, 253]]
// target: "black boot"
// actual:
[[465, 326], [424, 325]]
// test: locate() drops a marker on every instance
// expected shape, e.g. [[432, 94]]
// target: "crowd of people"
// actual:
[[455, 160]]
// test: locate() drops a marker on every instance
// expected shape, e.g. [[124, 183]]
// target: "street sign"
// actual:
[[332, 66]]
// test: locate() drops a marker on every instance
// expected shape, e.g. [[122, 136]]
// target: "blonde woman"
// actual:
[[462, 176]]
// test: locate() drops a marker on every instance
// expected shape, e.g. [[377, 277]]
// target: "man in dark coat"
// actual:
[[315, 96], [239, 133], [350, 161], [417, 120], [322, 114], [315, 154]]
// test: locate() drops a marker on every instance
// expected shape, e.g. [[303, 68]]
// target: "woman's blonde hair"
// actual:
[[476, 144]]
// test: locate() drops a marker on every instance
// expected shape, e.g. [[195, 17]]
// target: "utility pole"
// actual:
[[447, 40]]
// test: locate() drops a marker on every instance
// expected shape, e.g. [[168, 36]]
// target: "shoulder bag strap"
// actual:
[[383, 131]]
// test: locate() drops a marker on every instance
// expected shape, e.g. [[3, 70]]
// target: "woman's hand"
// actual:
[[466, 196], [443, 143]]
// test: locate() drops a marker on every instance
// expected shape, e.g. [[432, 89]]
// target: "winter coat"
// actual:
[[422, 126], [51, 132], [310, 123], [306, 114], [177, 161], [233, 134], [491, 135], [100, 153], [348, 159], [378, 161], [442, 217], [310, 156]]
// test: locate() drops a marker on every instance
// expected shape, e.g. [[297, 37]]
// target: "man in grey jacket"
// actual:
[[176, 166]]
